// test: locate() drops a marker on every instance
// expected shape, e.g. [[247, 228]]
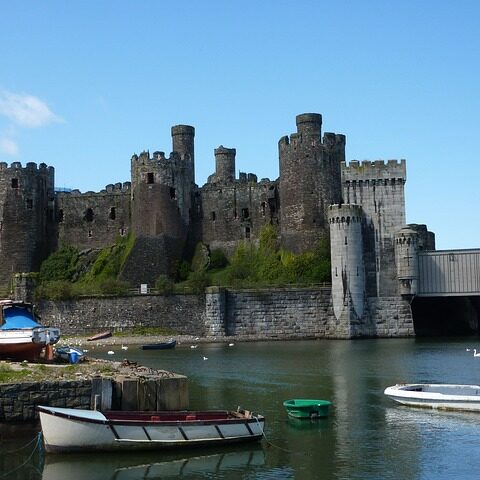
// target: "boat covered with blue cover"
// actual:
[[22, 337]]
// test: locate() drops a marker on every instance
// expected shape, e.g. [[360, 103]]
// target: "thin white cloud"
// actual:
[[8, 146], [26, 110]]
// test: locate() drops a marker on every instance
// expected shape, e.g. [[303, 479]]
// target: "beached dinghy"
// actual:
[[441, 396], [68, 430]]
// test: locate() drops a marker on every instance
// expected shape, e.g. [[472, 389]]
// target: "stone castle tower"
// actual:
[[27, 220], [310, 181]]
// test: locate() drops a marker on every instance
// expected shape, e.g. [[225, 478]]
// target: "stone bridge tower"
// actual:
[[310, 181]]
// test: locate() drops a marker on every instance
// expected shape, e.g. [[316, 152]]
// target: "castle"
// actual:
[[361, 206]]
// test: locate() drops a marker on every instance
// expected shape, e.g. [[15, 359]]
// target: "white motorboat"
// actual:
[[68, 429], [440, 396], [21, 336]]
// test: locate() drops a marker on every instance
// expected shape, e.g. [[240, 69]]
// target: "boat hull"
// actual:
[[306, 408], [21, 351], [69, 430], [159, 346], [437, 396]]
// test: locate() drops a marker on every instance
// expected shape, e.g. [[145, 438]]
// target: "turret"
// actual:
[[406, 260], [225, 164], [183, 144], [348, 268], [309, 125]]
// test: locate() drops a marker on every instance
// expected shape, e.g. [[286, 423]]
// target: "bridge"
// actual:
[[449, 273]]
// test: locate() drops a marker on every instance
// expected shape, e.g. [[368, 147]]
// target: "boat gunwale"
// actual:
[[151, 423]]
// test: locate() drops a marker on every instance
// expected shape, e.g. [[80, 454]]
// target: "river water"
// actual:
[[366, 435]]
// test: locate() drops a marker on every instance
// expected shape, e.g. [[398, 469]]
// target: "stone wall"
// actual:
[[18, 401], [93, 220], [154, 392], [281, 313], [182, 313]]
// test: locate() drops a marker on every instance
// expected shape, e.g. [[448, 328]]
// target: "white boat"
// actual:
[[21, 336], [440, 396], [68, 429]]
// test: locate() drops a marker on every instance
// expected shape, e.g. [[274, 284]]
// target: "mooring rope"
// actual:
[[38, 446], [270, 444]]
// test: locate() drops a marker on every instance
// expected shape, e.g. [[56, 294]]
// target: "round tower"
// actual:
[[225, 164], [309, 125], [348, 270], [406, 260], [183, 144], [310, 181]]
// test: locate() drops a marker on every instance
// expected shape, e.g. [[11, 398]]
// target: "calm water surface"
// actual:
[[366, 436]]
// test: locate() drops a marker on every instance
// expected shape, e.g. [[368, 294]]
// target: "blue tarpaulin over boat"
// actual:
[[16, 317]]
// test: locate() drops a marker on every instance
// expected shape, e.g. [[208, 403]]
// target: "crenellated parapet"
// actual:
[[375, 172]]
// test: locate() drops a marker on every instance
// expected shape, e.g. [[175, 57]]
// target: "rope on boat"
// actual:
[[37, 447]]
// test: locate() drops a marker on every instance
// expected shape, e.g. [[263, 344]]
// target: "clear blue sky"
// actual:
[[84, 85]]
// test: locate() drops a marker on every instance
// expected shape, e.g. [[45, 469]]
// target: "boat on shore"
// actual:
[[22, 337], [75, 430], [70, 354], [159, 346], [438, 396], [307, 408], [99, 336]]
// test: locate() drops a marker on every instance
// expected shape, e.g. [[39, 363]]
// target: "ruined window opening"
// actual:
[[122, 232], [29, 203], [247, 232], [346, 241], [14, 182], [263, 208], [245, 213], [336, 272], [173, 193], [213, 216], [357, 271], [90, 234], [112, 214], [234, 214], [88, 215], [60, 216], [150, 178]]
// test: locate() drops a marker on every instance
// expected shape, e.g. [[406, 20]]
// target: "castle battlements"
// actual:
[[117, 188], [345, 213], [30, 166], [373, 170]]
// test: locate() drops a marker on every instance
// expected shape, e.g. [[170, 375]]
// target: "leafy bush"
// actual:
[[217, 259], [164, 285], [113, 286], [198, 281], [56, 290], [60, 265]]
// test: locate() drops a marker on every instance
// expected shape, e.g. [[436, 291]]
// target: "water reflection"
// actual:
[[126, 467]]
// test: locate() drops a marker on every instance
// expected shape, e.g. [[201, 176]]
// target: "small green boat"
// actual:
[[304, 408]]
